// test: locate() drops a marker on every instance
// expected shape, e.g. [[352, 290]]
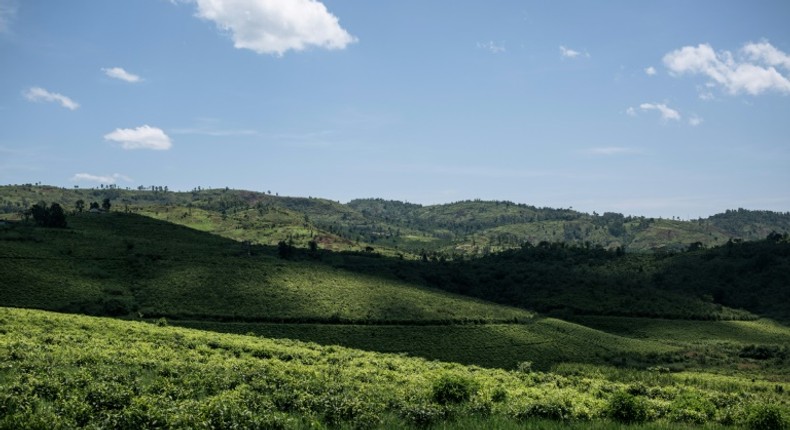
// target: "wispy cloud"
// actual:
[[121, 74], [572, 53], [109, 179], [276, 26], [38, 94], [666, 112], [143, 137], [650, 71], [695, 121], [752, 70], [7, 14], [492, 47]]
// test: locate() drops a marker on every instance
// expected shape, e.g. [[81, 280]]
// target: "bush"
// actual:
[[453, 389], [765, 417], [626, 408], [557, 409], [692, 408], [422, 415]]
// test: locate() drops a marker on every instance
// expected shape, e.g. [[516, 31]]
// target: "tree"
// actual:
[[105, 204], [52, 216], [57, 217], [94, 205], [284, 250], [80, 205]]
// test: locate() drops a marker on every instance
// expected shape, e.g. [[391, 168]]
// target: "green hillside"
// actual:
[[65, 371], [467, 228], [127, 264]]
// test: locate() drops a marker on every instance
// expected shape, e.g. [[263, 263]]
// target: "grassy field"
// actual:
[[757, 348], [544, 343], [118, 264], [68, 371]]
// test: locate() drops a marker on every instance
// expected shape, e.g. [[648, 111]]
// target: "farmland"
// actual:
[[213, 330], [65, 371]]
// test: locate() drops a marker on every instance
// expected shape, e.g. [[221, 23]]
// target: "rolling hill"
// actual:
[[466, 228]]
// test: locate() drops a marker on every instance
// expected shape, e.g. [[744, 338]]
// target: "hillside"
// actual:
[[123, 264], [66, 371], [465, 228]]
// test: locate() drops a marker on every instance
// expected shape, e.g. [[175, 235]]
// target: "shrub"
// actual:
[[422, 414], [499, 395], [765, 417], [451, 388], [692, 408], [557, 409], [626, 408]]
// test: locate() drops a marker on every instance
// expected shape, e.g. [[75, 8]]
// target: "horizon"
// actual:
[[668, 110], [346, 202]]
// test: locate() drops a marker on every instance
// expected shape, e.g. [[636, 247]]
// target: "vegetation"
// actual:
[[468, 228], [117, 264], [664, 339], [66, 371]]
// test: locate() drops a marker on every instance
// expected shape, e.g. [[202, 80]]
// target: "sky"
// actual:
[[661, 109]]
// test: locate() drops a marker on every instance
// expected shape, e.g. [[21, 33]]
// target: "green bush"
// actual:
[[558, 409], [451, 388], [422, 414], [765, 417], [692, 408], [626, 408]]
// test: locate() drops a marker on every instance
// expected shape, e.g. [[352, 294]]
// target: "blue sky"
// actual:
[[666, 109]]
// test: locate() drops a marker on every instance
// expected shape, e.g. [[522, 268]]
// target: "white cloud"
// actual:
[[38, 94], [570, 53], [492, 47], [276, 26], [666, 111], [630, 111], [144, 137], [695, 121], [752, 70], [650, 71], [766, 53], [119, 73], [110, 179]]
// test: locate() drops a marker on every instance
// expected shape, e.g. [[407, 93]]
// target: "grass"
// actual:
[[119, 264], [68, 371], [545, 342]]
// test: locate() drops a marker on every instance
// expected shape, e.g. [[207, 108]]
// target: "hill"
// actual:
[[66, 371], [467, 228], [123, 264]]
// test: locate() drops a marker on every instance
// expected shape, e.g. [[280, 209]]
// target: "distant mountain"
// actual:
[[463, 228]]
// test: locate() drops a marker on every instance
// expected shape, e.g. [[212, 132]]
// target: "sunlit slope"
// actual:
[[126, 264], [68, 371], [544, 343]]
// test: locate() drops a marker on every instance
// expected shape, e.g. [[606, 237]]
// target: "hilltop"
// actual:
[[465, 228]]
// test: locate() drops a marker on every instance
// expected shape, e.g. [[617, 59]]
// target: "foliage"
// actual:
[[762, 416], [469, 228], [627, 408], [67, 371], [451, 388], [52, 216]]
